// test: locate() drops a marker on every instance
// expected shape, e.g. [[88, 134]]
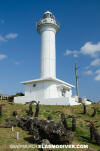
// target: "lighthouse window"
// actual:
[[48, 15], [51, 16], [44, 16], [34, 85]]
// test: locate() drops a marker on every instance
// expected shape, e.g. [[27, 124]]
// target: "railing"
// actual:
[[47, 20]]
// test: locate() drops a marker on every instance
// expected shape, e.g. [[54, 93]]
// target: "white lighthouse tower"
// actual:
[[48, 89], [48, 28]]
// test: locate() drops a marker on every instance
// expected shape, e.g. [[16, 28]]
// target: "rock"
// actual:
[[97, 136], [94, 134], [51, 130], [11, 122], [45, 142], [35, 135]]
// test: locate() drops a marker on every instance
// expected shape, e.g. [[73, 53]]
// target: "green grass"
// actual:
[[81, 136]]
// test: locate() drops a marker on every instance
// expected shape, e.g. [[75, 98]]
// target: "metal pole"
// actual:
[[76, 76]]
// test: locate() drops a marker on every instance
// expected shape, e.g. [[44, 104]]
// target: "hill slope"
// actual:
[[81, 136]]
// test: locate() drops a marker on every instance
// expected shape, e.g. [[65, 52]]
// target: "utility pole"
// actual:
[[76, 77]]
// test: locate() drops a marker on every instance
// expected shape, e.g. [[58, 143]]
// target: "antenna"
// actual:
[[76, 76]]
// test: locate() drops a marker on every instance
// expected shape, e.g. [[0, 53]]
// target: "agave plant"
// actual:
[[37, 110], [84, 109], [63, 119], [73, 123], [94, 112], [0, 110]]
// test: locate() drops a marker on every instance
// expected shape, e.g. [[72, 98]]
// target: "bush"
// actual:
[[11, 98], [19, 94]]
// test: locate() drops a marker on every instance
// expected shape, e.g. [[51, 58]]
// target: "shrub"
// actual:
[[19, 94], [11, 98]]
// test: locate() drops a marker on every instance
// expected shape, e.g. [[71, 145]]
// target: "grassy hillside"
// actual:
[[81, 136]]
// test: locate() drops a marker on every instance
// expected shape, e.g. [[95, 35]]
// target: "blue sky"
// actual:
[[78, 40]]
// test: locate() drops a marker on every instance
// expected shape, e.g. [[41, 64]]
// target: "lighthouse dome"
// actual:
[[48, 14]]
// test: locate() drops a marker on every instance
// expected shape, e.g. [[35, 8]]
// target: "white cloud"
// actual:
[[87, 67], [2, 39], [2, 56], [11, 36], [72, 52], [95, 62], [97, 77], [8, 37], [87, 49], [97, 71], [90, 49], [88, 72]]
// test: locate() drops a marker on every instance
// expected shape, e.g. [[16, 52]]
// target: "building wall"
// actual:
[[50, 101], [37, 91], [45, 89], [68, 93]]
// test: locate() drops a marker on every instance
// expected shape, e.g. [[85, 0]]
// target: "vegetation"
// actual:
[[81, 125], [19, 94], [11, 98]]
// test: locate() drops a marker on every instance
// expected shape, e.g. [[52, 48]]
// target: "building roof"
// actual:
[[48, 79]]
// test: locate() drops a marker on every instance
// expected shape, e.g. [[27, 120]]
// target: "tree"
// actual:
[[19, 94]]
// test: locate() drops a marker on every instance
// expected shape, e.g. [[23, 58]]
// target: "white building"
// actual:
[[48, 89]]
